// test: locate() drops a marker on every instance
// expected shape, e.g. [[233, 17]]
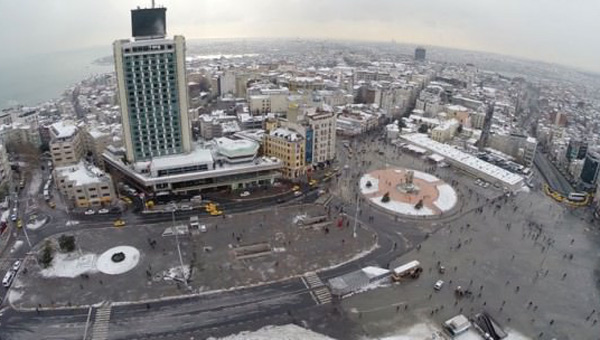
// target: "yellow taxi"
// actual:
[[119, 223], [216, 212], [295, 188], [313, 182], [52, 204], [126, 200], [19, 223]]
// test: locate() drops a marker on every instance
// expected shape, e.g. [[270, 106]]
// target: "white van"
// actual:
[[7, 280]]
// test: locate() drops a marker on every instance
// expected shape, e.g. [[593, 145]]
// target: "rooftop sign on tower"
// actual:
[[148, 23]]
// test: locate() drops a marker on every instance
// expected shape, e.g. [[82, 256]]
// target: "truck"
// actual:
[[194, 223], [411, 269]]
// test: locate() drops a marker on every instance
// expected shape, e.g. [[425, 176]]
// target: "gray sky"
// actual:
[[561, 31]]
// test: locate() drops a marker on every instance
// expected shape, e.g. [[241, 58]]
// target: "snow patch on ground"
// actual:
[[425, 176], [374, 184], [298, 218], [37, 224], [70, 265], [71, 223], [402, 208], [5, 215], [34, 185], [447, 197], [18, 244], [14, 295], [174, 274], [106, 265], [286, 332]]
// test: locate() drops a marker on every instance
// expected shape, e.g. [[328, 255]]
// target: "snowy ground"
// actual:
[[37, 224], [106, 265], [74, 264], [70, 265], [363, 184], [447, 198], [34, 186], [16, 246], [402, 208], [286, 332]]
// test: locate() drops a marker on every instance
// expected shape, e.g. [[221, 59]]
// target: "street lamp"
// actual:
[[356, 216], [173, 209]]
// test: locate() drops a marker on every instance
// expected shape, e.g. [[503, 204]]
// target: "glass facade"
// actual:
[[150, 73]]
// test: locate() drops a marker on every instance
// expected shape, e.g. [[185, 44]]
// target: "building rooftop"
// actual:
[[232, 148], [286, 134], [82, 174], [450, 152], [63, 129]]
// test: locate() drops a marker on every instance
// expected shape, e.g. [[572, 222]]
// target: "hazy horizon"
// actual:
[[548, 31]]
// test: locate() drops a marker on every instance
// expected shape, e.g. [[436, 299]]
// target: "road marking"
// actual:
[[318, 291], [101, 323]]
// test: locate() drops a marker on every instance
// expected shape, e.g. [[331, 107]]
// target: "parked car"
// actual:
[[245, 194], [438, 285], [202, 228], [13, 217], [185, 207], [297, 193], [16, 265], [90, 212], [103, 211]]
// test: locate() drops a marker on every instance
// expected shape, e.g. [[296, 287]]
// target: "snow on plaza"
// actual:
[[411, 192], [74, 264]]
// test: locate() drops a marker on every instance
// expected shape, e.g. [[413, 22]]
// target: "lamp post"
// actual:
[[173, 209], [356, 216]]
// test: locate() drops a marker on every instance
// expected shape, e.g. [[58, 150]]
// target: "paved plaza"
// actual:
[[240, 250], [410, 192], [529, 261]]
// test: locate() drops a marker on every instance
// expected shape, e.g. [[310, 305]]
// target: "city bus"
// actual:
[[577, 196]]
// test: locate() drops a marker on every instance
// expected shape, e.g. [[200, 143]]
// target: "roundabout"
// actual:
[[408, 192]]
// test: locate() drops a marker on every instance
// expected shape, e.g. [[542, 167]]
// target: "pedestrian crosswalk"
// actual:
[[319, 292], [101, 323]]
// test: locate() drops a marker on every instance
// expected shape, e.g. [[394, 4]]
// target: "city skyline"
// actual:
[[515, 28]]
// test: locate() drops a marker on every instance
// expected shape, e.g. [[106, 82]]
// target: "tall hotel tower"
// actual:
[[151, 80]]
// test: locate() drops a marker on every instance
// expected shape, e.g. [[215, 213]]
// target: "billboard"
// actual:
[[149, 22]]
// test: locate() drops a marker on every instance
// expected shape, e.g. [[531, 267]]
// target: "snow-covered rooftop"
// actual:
[[286, 134], [82, 174], [473, 162], [63, 130], [236, 148]]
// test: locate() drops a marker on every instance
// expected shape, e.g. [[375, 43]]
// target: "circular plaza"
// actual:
[[408, 192]]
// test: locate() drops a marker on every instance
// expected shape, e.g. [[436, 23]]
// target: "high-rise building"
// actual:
[[588, 178], [152, 87], [420, 53]]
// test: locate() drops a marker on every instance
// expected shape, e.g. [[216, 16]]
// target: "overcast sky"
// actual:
[[561, 31]]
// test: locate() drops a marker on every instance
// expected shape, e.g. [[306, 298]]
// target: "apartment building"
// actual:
[[289, 147]]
